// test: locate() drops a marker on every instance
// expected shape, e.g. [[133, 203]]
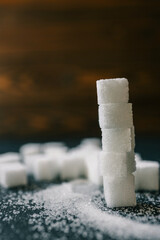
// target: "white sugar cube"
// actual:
[[147, 176], [10, 157], [45, 168], [116, 164], [12, 175], [112, 90], [72, 167], [117, 140], [93, 170], [83, 152], [54, 148], [30, 149], [29, 161], [42, 166], [119, 192], [85, 149], [115, 115]]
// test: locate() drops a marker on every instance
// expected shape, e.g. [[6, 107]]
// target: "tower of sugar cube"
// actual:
[[117, 159]]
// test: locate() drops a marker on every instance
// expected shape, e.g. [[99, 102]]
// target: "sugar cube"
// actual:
[[45, 168], [10, 157], [117, 140], [115, 115], [116, 164], [72, 167], [37, 162], [119, 192], [30, 149], [112, 90], [12, 174], [93, 170], [29, 161], [83, 152], [54, 148], [147, 176]]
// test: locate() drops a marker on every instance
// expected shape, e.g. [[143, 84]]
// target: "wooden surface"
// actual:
[[52, 53]]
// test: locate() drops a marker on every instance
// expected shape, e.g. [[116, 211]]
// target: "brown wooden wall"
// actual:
[[52, 53]]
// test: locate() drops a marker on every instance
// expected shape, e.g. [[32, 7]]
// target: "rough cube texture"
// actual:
[[112, 90], [12, 175], [117, 164], [117, 140], [119, 192], [147, 176], [115, 115]]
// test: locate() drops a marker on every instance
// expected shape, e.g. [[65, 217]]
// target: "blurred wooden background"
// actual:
[[52, 53]]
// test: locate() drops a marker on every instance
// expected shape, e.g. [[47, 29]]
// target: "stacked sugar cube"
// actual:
[[117, 160]]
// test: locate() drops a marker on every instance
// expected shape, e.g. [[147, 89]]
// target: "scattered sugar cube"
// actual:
[[45, 168], [10, 157], [54, 148], [147, 176], [12, 175], [115, 115], [29, 161], [119, 192], [78, 151], [93, 171], [30, 149], [83, 151], [116, 164], [117, 140], [72, 167], [112, 90], [35, 164], [88, 148]]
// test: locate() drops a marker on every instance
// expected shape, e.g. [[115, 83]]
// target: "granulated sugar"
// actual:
[[75, 210]]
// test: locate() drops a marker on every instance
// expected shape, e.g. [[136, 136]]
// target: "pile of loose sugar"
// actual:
[[75, 210]]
